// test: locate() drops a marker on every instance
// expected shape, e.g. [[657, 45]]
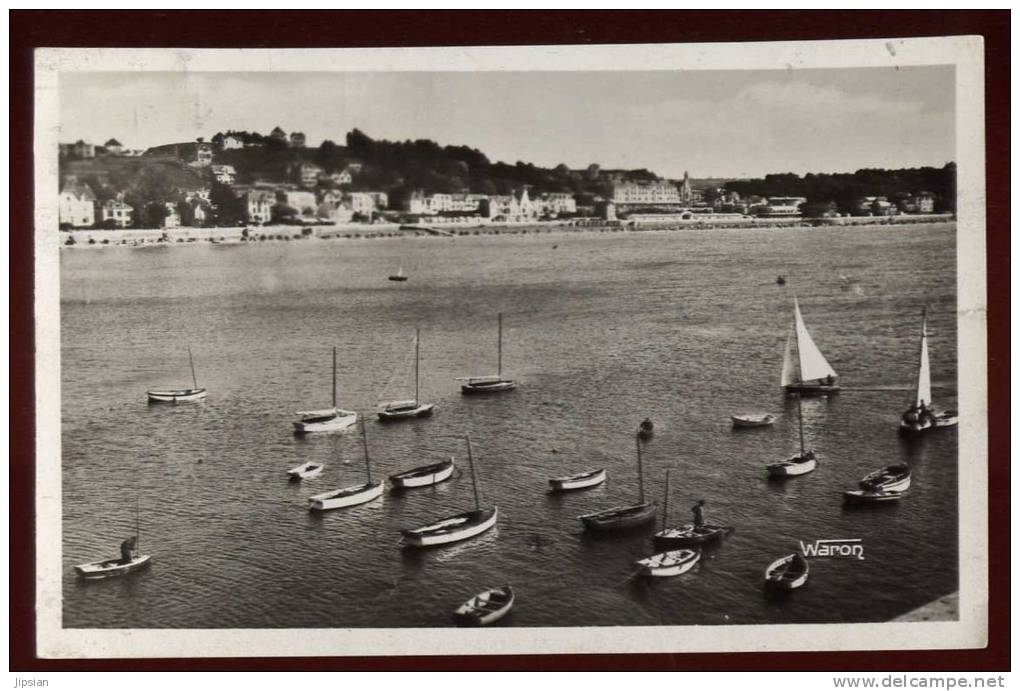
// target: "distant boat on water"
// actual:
[[399, 276], [402, 410], [333, 419], [182, 394], [805, 372], [922, 416], [493, 383]]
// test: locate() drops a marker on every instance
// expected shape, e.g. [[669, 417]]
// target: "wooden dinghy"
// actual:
[[672, 563], [689, 535], [391, 411], [623, 517], [787, 573], [423, 476], [870, 496], [350, 496], [892, 478], [111, 567], [181, 394], [334, 419], [753, 420], [583, 480], [486, 608], [922, 416], [494, 383], [798, 464], [458, 527], [306, 471]]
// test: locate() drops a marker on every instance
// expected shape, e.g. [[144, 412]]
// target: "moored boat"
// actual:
[[646, 429], [787, 573], [486, 608], [583, 480], [490, 383], [623, 517], [753, 420], [399, 276], [458, 527], [672, 563], [807, 373], [686, 534], [179, 394], [350, 496], [892, 478], [334, 419], [111, 567], [800, 463], [306, 471], [423, 476], [403, 410], [922, 416]]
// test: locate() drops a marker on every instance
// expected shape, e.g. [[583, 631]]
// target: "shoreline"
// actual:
[[945, 608], [152, 237]]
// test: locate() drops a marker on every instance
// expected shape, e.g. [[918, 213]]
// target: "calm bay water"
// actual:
[[685, 327]]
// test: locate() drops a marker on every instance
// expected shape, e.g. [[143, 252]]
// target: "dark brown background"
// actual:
[[281, 29]]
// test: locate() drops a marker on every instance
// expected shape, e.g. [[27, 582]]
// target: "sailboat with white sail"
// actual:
[[458, 527], [402, 410], [491, 383], [806, 371], [353, 495], [921, 415], [333, 419], [182, 394], [622, 517]]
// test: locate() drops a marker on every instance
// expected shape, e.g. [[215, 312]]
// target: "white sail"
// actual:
[[789, 375], [924, 369], [813, 364]]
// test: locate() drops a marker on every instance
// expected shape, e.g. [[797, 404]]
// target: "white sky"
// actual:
[[718, 123]]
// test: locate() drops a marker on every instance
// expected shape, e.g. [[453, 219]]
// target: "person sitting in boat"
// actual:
[[699, 514], [127, 550], [799, 563], [830, 380]]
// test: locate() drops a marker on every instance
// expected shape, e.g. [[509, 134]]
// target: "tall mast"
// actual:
[[334, 376], [417, 336], [499, 348], [364, 445], [640, 472], [191, 361], [138, 530], [800, 420], [474, 480], [665, 503]]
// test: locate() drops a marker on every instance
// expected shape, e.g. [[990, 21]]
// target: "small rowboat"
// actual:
[[306, 471], [175, 395], [753, 420], [671, 563], [787, 573], [798, 464], [328, 420], [111, 567], [401, 410], [488, 384], [892, 478], [424, 475], [452, 529], [689, 535], [619, 517], [348, 496], [486, 608], [865, 496], [589, 478]]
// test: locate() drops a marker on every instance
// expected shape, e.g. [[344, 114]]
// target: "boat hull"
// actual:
[[806, 389], [176, 395], [406, 413], [748, 421], [687, 535], [471, 528], [423, 477], [350, 496], [773, 573], [790, 468], [568, 484], [620, 518], [941, 421], [337, 423], [471, 389], [470, 614], [861, 496], [671, 563], [305, 471], [110, 568]]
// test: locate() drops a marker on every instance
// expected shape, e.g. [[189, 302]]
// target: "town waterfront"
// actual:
[[685, 327]]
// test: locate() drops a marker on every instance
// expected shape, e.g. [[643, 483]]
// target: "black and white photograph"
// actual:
[[597, 349]]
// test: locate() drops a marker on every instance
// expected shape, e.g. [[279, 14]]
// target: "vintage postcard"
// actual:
[[593, 349]]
